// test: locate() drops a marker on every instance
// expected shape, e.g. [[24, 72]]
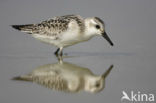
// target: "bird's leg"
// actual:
[[61, 51], [56, 52], [60, 59]]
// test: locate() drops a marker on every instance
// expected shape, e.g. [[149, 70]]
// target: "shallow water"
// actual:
[[130, 25], [131, 72]]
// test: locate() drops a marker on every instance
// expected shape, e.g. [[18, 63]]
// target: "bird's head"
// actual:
[[95, 26], [96, 84]]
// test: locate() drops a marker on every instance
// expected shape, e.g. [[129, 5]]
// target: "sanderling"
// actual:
[[64, 31], [67, 77]]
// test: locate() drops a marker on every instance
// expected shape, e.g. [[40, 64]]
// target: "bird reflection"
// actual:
[[67, 77]]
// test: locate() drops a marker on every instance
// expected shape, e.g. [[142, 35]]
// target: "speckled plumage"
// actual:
[[55, 82], [53, 26], [67, 77], [64, 31]]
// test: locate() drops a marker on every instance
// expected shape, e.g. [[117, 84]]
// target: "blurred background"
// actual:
[[130, 24]]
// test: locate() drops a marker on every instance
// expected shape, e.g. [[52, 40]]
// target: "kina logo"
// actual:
[[137, 97]]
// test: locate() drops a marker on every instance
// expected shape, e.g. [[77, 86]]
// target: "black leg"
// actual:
[[61, 53], [56, 52], [60, 59]]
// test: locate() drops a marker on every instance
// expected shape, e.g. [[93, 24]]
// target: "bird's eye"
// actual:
[[97, 85], [97, 26]]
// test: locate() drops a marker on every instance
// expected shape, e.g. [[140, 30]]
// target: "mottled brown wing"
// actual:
[[52, 27], [57, 25], [51, 80]]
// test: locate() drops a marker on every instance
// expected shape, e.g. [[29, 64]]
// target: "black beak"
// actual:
[[107, 38]]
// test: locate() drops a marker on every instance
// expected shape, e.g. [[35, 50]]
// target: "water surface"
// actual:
[[129, 23]]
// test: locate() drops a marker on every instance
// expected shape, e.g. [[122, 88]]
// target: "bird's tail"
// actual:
[[28, 28], [23, 78]]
